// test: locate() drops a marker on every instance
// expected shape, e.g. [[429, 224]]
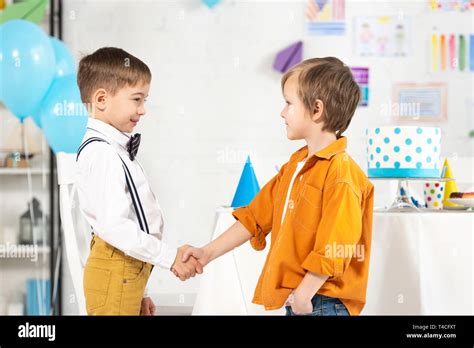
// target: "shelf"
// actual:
[[23, 171]]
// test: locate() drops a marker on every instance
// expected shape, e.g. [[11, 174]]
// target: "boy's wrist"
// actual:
[[303, 293], [209, 252]]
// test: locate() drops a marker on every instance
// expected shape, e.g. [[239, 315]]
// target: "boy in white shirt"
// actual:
[[114, 194]]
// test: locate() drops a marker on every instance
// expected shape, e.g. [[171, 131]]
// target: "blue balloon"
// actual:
[[36, 116], [65, 63], [26, 66], [63, 115]]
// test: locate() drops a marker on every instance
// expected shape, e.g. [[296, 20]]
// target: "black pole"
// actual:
[[55, 30], [60, 19], [51, 185], [60, 239]]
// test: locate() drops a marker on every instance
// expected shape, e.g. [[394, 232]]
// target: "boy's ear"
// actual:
[[318, 111], [100, 99]]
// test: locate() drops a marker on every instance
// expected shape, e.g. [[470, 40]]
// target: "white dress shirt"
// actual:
[[106, 204]]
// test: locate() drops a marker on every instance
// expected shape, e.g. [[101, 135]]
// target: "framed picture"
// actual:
[[326, 17], [383, 36], [419, 102], [361, 77]]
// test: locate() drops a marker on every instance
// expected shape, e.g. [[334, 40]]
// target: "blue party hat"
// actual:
[[248, 186], [211, 3]]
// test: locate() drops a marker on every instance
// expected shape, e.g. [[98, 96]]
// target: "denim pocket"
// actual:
[[341, 310], [289, 312]]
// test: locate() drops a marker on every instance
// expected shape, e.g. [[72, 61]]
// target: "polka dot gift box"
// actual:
[[434, 193], [403, 152]]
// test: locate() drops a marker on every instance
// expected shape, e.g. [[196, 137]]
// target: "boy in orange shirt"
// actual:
[[318, 207]]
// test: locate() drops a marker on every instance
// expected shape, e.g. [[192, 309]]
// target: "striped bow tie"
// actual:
[[132, 145]]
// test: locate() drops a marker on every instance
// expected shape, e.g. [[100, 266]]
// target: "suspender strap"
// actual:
[[137, 204], [135, 198], [87, 142]]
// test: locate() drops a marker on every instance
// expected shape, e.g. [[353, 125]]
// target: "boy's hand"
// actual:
[[148, 307], [201, 254], [299, 302], [185, 270]]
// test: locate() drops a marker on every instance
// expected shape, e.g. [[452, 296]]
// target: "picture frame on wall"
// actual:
[[419, 102]]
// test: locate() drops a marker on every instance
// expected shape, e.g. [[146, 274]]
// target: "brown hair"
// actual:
[[110, 68], [329, 80]]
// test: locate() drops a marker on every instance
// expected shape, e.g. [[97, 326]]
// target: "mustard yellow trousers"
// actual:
[[114, 283]]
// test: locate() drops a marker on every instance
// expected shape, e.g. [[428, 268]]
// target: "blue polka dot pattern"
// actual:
[[403, 148]]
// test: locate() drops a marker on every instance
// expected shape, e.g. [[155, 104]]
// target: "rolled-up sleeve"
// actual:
[[338, 232], [257, 217]]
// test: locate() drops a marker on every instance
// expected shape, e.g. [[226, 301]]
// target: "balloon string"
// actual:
[[40, 288]]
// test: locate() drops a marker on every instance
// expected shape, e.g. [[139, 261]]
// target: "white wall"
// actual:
[[214, 96]]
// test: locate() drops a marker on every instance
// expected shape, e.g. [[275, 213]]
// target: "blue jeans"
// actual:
[[323, 306]]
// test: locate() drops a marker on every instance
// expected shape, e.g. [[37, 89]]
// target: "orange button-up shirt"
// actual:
[[327, 228]]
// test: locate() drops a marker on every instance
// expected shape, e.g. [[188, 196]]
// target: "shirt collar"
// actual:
[[109, 131], [336, 147]]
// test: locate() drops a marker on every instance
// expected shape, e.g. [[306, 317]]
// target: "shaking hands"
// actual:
[[191, 260], [187, 262]]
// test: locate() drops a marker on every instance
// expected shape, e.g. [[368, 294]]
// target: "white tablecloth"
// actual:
[[421, 263], [228, 283]]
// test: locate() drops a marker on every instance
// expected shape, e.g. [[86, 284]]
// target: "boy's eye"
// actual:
[[137, 99]]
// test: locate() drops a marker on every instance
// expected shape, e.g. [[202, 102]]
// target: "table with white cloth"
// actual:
[[421, 263]]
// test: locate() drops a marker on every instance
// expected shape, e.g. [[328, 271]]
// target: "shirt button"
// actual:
[[291, 204]]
